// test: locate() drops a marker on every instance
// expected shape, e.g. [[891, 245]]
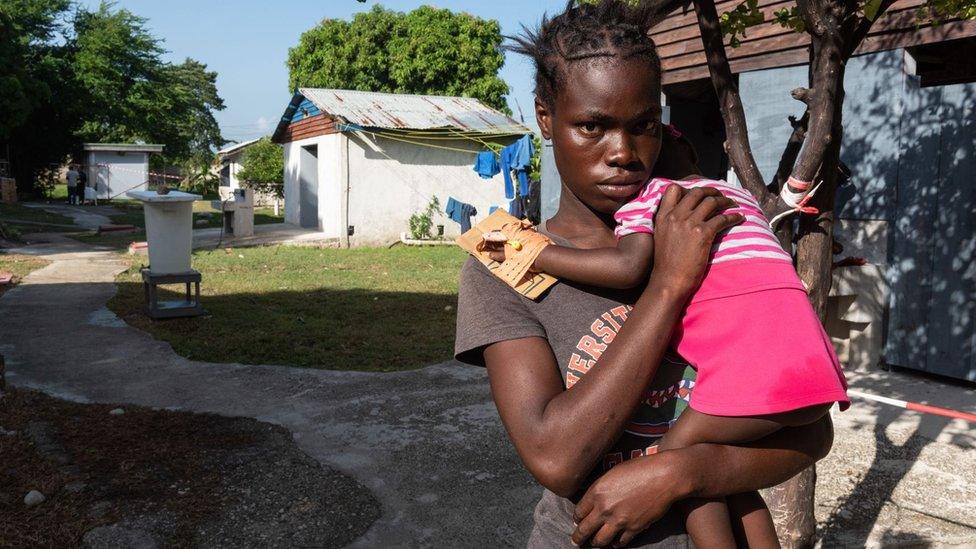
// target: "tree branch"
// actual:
[[736, 132], [863, 28], [784, 232], [827, 86], [792, 149], [660, 9]]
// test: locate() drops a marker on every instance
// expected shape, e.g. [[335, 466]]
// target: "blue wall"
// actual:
[[910, 151], [304, 107]]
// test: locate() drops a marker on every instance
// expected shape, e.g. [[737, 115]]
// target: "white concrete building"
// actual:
[[230, 163], [359, 164], [116, 168]]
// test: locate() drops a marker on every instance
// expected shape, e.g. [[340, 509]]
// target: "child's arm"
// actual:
[[625, 266]]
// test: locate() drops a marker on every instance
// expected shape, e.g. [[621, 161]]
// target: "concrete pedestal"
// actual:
[[157, 309], [238, 212]]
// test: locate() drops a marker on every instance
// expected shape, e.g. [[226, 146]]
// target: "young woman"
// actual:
[[569, 416]]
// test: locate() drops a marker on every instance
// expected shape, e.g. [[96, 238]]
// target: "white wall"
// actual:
[[331, 177], [390, 184], [233, 164], [112, 173]]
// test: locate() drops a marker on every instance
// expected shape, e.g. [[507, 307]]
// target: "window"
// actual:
[[943, 63], [225, 176]]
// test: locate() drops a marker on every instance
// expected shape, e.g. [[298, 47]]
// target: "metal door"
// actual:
[[308, 172]]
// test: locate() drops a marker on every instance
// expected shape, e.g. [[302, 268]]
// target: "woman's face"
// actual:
[[605, 126]]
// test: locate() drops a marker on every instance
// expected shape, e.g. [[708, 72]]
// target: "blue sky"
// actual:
[[247, 43]]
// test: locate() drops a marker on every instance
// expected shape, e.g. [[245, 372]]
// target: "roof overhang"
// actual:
[[237, 147], [123, 147], [402, 112]]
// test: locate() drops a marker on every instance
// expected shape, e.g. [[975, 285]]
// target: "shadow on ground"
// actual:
[[427, 443], [115, 477], [322, 328], [908, 475]]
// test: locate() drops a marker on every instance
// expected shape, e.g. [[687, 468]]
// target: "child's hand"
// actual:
[[496, 252], [494, 245]]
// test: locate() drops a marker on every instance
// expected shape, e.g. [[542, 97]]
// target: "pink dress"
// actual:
[[749, 329]]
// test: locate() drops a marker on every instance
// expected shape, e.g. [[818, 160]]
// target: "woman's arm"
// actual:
[[633, 495], [561, 435], [624, 266]]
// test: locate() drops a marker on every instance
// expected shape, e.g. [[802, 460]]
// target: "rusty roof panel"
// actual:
[[414, 112]]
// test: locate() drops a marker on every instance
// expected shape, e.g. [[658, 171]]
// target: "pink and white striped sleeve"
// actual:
[[637, 216]]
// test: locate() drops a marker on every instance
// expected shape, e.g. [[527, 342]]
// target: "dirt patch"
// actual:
[[161, 478], [19, 265]]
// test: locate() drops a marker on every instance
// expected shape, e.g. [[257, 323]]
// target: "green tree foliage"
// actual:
[[263, 167], [426, 51], [25, 25], [942, 10], [133, 95], [71, 75], [747, 14]]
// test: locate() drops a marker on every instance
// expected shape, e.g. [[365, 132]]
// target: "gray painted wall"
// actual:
[[910, 151], [551, 184]]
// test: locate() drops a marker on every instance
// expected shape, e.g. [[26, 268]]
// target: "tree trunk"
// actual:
[[792, 503], [792, 506]]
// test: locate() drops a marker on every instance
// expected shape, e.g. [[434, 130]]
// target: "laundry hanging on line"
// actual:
[[518, 157], [486, 164], [461, 213], [522, 161]]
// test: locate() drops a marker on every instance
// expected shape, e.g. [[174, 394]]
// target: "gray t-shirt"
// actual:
[[578, 321]]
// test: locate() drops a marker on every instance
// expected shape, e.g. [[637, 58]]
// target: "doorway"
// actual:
[[308, 187], [695, 112]]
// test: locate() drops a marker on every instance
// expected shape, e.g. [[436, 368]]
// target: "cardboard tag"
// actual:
[[533, 284]]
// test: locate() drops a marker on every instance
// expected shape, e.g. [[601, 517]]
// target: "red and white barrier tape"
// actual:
[[915, 407], [146, 173]]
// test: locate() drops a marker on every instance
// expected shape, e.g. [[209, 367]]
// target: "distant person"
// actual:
[[72, 177], [82, 183]]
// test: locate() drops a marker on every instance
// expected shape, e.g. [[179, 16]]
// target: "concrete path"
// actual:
[[429, 443], [273, 233], [896, 477]]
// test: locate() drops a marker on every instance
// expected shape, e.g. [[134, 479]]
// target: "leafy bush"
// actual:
[[263, 168], [422, 222]]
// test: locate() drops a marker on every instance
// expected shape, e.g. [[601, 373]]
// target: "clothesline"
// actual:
[[405, 137], [412, 142], [515, 157], [130, 170]]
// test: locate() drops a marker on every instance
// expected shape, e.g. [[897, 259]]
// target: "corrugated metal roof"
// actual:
[[232, 148], [416, 112]]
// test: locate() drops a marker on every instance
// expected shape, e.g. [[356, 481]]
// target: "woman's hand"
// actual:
[[625, 501], [686, 224]]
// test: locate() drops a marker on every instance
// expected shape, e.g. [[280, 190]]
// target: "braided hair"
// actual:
[[606, 29]]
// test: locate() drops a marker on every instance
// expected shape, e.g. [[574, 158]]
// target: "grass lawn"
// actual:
[[11, 213], [372, 309], [20, 265], [59, 192], [204, 216], [118, 241], [131, 214]]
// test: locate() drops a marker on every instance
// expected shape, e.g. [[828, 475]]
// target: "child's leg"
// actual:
[[708, 521]]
